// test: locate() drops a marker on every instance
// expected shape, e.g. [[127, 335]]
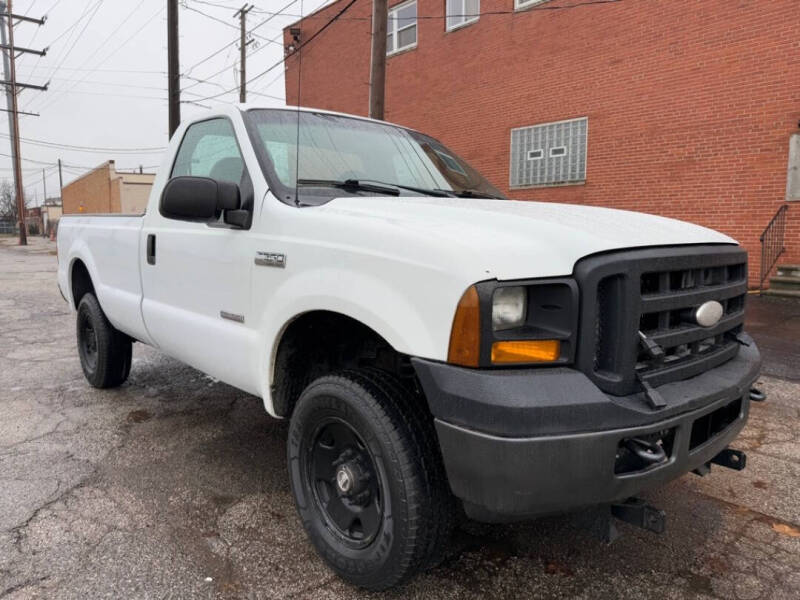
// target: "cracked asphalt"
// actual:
[[175, 486]]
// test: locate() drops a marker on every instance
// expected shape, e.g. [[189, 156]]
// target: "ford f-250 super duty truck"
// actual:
[[432, 343]]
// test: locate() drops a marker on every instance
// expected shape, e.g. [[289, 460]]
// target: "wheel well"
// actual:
[[321, 342], [81, 282]]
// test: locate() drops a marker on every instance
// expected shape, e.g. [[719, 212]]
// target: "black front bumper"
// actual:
[[524, 442]]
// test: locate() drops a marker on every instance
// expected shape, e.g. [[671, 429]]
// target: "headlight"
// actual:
[[530, 322], [509, 307]]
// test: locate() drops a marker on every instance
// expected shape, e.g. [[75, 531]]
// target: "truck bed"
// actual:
[[110, 247]]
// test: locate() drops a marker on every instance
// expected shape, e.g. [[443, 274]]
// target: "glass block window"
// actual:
[[401, 30], [462, 12], [549, 154]]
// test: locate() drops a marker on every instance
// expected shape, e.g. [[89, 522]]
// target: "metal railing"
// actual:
[[7, 227], [772, 244]]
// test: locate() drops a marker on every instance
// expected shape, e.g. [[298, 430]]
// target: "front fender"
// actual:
[[396, 314]]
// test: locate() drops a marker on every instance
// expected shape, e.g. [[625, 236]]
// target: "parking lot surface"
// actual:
[[175, 486]]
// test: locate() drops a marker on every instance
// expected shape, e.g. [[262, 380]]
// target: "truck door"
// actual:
[[196, 275]]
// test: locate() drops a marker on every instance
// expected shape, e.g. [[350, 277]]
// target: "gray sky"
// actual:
[[107, 67]]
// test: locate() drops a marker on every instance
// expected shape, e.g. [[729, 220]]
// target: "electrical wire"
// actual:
[[226, 46], [35, 33], [102, 44], [53, 98], [340, 14], [207, 80], [475, 14], [47, 144], [226, 23], [96, 8], [283, 60]]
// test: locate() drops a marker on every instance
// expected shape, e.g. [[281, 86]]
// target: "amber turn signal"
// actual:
[[526, 351], [465, 336]]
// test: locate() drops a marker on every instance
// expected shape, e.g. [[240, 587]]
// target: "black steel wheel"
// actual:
[[105, 353], [367, 478], [347, 487], [87, 343]]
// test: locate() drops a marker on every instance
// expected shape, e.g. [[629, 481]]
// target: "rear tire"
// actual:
[[367, 478], [105, 353]]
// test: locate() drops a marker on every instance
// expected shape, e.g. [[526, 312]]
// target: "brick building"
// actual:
[[684, 108], [106, 190]]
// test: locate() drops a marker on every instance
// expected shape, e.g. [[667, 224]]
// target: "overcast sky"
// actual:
[[106, 65]]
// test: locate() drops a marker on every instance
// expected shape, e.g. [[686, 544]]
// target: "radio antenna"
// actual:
[[297, 40]]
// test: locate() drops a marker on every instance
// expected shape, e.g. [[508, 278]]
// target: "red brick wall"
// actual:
[[690, 102]]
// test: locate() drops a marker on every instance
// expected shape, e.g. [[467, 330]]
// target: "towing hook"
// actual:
[[756, 395], [649, 452]]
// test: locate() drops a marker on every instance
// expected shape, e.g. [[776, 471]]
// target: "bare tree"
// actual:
[[8, 202]]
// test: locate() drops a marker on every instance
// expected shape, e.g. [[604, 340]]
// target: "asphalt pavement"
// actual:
[[175, 486]]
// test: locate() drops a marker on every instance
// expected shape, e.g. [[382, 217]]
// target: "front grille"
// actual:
[[668, 299], [655, 292]]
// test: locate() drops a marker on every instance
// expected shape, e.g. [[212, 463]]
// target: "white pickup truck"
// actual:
[[433, 343]]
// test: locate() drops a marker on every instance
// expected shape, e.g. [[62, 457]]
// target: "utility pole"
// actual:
[[44, 185], [173, 67], [10, 81], [242, 14], [377, 74], [60, 181]]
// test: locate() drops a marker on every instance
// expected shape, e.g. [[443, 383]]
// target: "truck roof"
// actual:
[[243, 107]]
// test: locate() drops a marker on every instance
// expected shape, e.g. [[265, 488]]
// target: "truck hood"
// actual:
[[507, 239]]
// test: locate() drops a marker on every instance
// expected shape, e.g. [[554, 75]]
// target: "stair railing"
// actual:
[[772, 244]]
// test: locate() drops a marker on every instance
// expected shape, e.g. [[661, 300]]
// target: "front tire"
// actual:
[[367, 478], [105, 353]]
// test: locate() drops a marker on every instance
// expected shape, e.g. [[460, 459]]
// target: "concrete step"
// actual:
[[788, 270], [782, 293], [784, 283]]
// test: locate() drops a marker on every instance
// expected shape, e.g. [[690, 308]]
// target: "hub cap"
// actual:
[[346, 488], [89, 344]]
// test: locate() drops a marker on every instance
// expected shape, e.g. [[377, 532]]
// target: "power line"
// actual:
[[303, 45], [153, 72], [434, 17], [108, 56], [45, 143], [340, 14], [96, 8], [227, 24], [222, 70], [226, 46], [35, 33], [68, 166], [102, 44]]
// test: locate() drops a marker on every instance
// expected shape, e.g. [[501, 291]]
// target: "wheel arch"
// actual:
[[80, 281], [319, 341]]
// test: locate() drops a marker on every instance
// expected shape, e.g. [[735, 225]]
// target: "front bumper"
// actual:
[[524, 442]]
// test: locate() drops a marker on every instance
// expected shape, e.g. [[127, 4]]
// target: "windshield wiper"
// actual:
[[349, 184], [428, 192], [472, 194]]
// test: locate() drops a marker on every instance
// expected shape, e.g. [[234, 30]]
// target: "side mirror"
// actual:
[[198, 198]]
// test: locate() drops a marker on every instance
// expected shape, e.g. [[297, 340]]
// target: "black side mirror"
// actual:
[[199, 199]]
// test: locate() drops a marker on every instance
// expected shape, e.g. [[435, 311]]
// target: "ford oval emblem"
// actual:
[[708, 314]]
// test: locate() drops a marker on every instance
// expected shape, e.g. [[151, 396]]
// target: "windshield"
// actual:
[[367, 155]]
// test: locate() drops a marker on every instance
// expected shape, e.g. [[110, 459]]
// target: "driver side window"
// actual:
[[209, 149]]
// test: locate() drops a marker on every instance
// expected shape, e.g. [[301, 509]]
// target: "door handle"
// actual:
[[151, 249]]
